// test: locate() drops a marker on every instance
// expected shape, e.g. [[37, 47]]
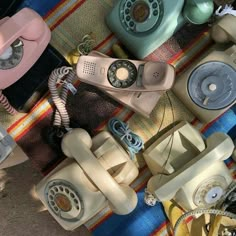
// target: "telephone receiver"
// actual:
[[122, 199], [198, 11], [191, 170], [96, 174], [223, 31], [24, 36], [125, 75], [143, 26]]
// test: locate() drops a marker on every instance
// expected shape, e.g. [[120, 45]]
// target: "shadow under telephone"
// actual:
[[143, 26]]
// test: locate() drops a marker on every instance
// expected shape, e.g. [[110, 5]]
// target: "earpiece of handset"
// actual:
[[129, 203], [224, 30], [161, 74], [32, 24], [121, 198], [198, 11], [219, 35]]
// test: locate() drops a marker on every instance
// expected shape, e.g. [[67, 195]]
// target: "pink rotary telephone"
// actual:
[[23, 38]]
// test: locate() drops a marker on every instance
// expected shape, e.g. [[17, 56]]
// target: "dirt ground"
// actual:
[[21, 213]]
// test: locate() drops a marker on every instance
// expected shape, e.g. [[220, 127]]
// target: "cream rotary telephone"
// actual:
[[96, 173], [191, 170]]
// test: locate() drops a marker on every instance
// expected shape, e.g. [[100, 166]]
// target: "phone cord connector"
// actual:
[[149, 198], [122, 132]]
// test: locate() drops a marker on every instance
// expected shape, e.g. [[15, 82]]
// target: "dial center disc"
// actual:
[[141, 12], [63, 202], [122, 73]]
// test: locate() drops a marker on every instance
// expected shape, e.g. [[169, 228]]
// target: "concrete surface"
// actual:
[[21, 213]]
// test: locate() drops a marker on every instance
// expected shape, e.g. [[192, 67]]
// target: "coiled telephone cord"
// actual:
[[67, 75], [202, 211], [121, 131], [4, 101]]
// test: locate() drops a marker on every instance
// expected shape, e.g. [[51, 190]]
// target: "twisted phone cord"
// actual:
[[202, 211], [61, 116], [4, 101], [121, 131]]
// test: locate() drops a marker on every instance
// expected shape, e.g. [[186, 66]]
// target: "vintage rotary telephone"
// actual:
[[24, 37], [96, 173], [188, 168], [10, 153], [136, 84], [143, 25], [208, 87]]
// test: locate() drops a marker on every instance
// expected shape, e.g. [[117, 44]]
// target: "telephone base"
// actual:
[[225, 56], [142, 43]]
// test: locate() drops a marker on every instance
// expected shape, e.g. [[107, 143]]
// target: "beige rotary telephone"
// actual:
[[208, 87], [96, 173], [188, 168]]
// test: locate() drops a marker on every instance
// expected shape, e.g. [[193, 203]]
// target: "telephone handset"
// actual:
[[96, 173], [126, 75], [24, 36], [144, 25]]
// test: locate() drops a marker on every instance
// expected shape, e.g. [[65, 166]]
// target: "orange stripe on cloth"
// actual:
[[165, 228], [65, 14], [18, 130], [55, 8]]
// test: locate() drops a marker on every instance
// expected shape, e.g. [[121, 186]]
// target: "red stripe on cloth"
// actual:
[[54, 9], [194, 121], [100, 222], [164, 224], [15, 124], [67, 14], [211, 123], [230, 164], [129, 116], [193, 58], [115, 112], [189, 45], [33, 124], [104, 41]]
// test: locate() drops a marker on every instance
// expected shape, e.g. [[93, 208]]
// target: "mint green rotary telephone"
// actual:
[[143, 25]]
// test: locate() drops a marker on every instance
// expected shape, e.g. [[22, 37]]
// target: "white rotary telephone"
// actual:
[[96, 173]]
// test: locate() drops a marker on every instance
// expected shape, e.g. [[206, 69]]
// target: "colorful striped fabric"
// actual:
[[69, 22]]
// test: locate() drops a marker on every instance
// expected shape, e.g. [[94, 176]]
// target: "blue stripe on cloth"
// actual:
[[225, 124], [141, 222], [42, 7]]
